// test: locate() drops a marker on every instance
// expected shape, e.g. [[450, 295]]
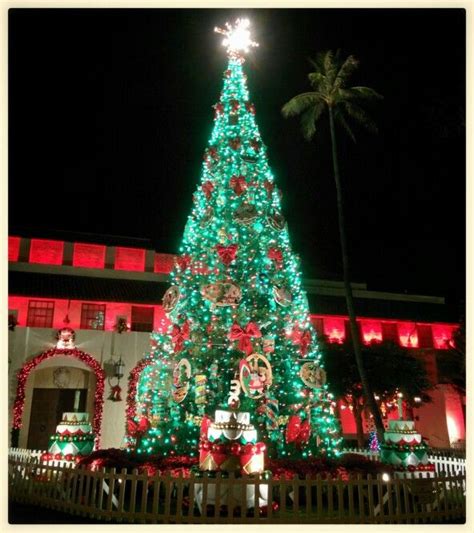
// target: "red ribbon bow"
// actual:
[[269, 186], [275, 254], [227, 253], [179, 335], [134, 429], [297, 431], [238, 184], [250, 107], [235, 144], [243, 335], [255, 144], [207, 188], [183, 262], [235, 105], [303, 338], [219, 109]]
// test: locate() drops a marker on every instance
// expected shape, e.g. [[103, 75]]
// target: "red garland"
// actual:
[[243, 335], [179, 335], [132, 389], [183, 262], [207, 188], [303, 338], [227, 253], [238, 184], [78, 354], [275, 255]]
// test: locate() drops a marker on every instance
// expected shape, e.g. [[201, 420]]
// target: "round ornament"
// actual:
[[276, 220], [312, 375], [282, 296], [222, 293], [170, 298], [255, 375], [181, 377], [207, 216], [245, 214]]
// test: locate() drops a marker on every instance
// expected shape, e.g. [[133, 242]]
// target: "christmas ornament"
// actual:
[[302, 338], [250, 107], [243, 335], [313, 375], [269, 409], [245, 214], [268, 344], [178, 335], [293, 428], [282, 296], [170, 298], [222, 293], [276, 220], [115, 393], [181, 377], [275, 255], [238, 184], [248, 159], [207, 188], [255, 144], [200, 389], [207, 216], [235, 144], [260, 376], [269, 186]]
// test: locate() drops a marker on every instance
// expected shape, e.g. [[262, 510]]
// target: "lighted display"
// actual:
[[88, 255], [132, 259], [46, 252], [13, 248]]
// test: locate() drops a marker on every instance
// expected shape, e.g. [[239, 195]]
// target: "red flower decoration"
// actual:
[[250, 107], [183, 262], [269, 186], [303, 338], [243, 335], [179, 335], [275, 255], [227, 253], [238, 184], [207, 188], [255, 144]]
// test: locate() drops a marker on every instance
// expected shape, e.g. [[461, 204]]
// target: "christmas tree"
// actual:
[[236, 305]]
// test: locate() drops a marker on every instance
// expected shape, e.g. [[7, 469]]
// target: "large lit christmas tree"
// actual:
[[236, 304]]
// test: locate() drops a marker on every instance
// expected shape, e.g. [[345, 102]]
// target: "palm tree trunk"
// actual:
[[348, 289]]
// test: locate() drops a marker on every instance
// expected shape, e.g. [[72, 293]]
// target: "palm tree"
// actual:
[[331, 93]]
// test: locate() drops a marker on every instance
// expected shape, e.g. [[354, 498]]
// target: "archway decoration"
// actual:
[[87, 359]]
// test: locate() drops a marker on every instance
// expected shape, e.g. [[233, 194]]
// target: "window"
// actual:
[[46, 252], [40, 314], [92, 316], [142, 318], [390, 332], [88, 255], [130, 259]]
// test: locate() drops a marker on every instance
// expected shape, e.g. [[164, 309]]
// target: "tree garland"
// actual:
[[77, 354]]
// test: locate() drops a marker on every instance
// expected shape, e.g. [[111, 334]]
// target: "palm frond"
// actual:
[[360, 116], [360, 93], [346, 69], [299, 103], [309, 119], [339, 117]]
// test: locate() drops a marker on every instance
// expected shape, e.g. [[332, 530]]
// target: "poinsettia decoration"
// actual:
[[297, 431], [236, 143], [275, 255]]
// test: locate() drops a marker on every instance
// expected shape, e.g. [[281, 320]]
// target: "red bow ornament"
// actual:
[[234, 104], [227, 253], [135, 429], [297, 431], [219, 109], [250, 107], [235, 144], [275, 255], [238, 184], [255, 144], [207, 188], [269, 186], [303, 338], [183, 262], [179, 335], [243, 335]]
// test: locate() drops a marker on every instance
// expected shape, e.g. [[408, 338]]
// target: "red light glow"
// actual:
[[46, 252], [88, 255], [164, 263], [130, 259], [371, 331], [334, 329], [13, 248], [408, 334], [442, 334]]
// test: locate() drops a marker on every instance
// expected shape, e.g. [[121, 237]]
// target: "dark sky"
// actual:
[[110, 112]]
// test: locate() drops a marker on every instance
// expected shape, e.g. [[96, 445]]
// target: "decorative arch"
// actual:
[[92, 363]]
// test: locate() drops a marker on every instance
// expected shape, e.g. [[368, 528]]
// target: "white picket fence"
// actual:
[[136, 497]]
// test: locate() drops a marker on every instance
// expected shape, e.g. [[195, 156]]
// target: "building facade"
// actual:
[[109, 292]]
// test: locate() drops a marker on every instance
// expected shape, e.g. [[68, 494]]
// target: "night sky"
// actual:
[[110, 112]]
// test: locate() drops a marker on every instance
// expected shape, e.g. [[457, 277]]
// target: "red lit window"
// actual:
[[142, 318], [92, 316], [164, 263], [334, 328], [371, 331], [40, 314], [130, 259], [13, 248], [408, 334], [318, 325], [88, 255], [442, 335], [46, 252]]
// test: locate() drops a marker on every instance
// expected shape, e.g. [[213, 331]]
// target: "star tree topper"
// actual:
[[237, 38]]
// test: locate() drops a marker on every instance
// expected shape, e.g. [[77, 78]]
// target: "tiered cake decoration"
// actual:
[[403, 446], [229, 443], [73, 437]]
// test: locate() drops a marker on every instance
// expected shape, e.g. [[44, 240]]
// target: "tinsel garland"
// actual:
[[77, 354]]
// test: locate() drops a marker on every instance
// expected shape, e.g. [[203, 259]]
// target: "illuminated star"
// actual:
[[237, 38]]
